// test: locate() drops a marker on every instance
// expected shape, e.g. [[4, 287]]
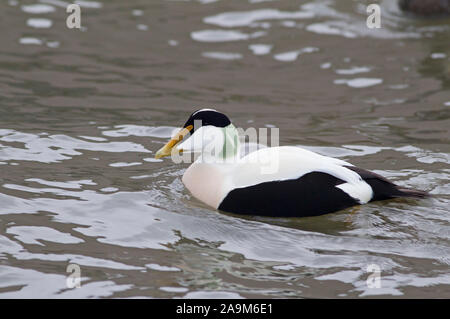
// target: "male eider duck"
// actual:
[[281, 181]]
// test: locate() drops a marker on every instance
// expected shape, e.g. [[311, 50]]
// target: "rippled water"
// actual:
[[83, 111]]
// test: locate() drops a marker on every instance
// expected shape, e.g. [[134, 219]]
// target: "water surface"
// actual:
[[82, 113]]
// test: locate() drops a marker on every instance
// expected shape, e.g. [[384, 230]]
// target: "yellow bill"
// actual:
[[166, 150]]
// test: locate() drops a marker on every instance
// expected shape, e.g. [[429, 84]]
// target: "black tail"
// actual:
[[408, 192], [384, 188]]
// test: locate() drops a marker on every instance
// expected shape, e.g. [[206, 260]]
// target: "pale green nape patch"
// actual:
[[231, 143]]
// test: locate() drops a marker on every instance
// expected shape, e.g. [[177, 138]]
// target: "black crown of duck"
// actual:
[[205, 117]]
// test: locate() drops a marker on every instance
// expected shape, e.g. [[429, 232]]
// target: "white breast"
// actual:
[[206, 182]]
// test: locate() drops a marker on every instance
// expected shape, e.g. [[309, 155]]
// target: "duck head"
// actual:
[[206, 131]]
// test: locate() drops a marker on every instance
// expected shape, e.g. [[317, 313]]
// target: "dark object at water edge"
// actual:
[[426, 7]]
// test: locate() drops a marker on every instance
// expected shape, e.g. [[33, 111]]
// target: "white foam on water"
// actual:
[[222, 55], [55, 148], [214, 294], [139, 130], [29, 40], [39, 23], [288, 24], [109, 189], [224, 35], [284, 267], [353, 70], [56, 3], [174, 289], [31, 235], [438, 55], [37, 8], [89, 4], [359, 82], [152, 159], [52, 44], [68, 184], [323, 28], [260, 1], [162, 268], [293, 55], [124, 164], [260, 49], [142, 27], [137, 12], [93, 138], [349, 27], [245, 18]]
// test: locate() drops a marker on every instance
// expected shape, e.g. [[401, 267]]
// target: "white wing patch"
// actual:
[[360, 191]]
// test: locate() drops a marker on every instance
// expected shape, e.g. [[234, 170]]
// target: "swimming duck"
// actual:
[[283, 181]]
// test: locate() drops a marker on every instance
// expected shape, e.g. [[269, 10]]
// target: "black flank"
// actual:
[[312, 194]]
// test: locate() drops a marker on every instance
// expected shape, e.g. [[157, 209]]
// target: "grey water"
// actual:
[[82, 113]]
